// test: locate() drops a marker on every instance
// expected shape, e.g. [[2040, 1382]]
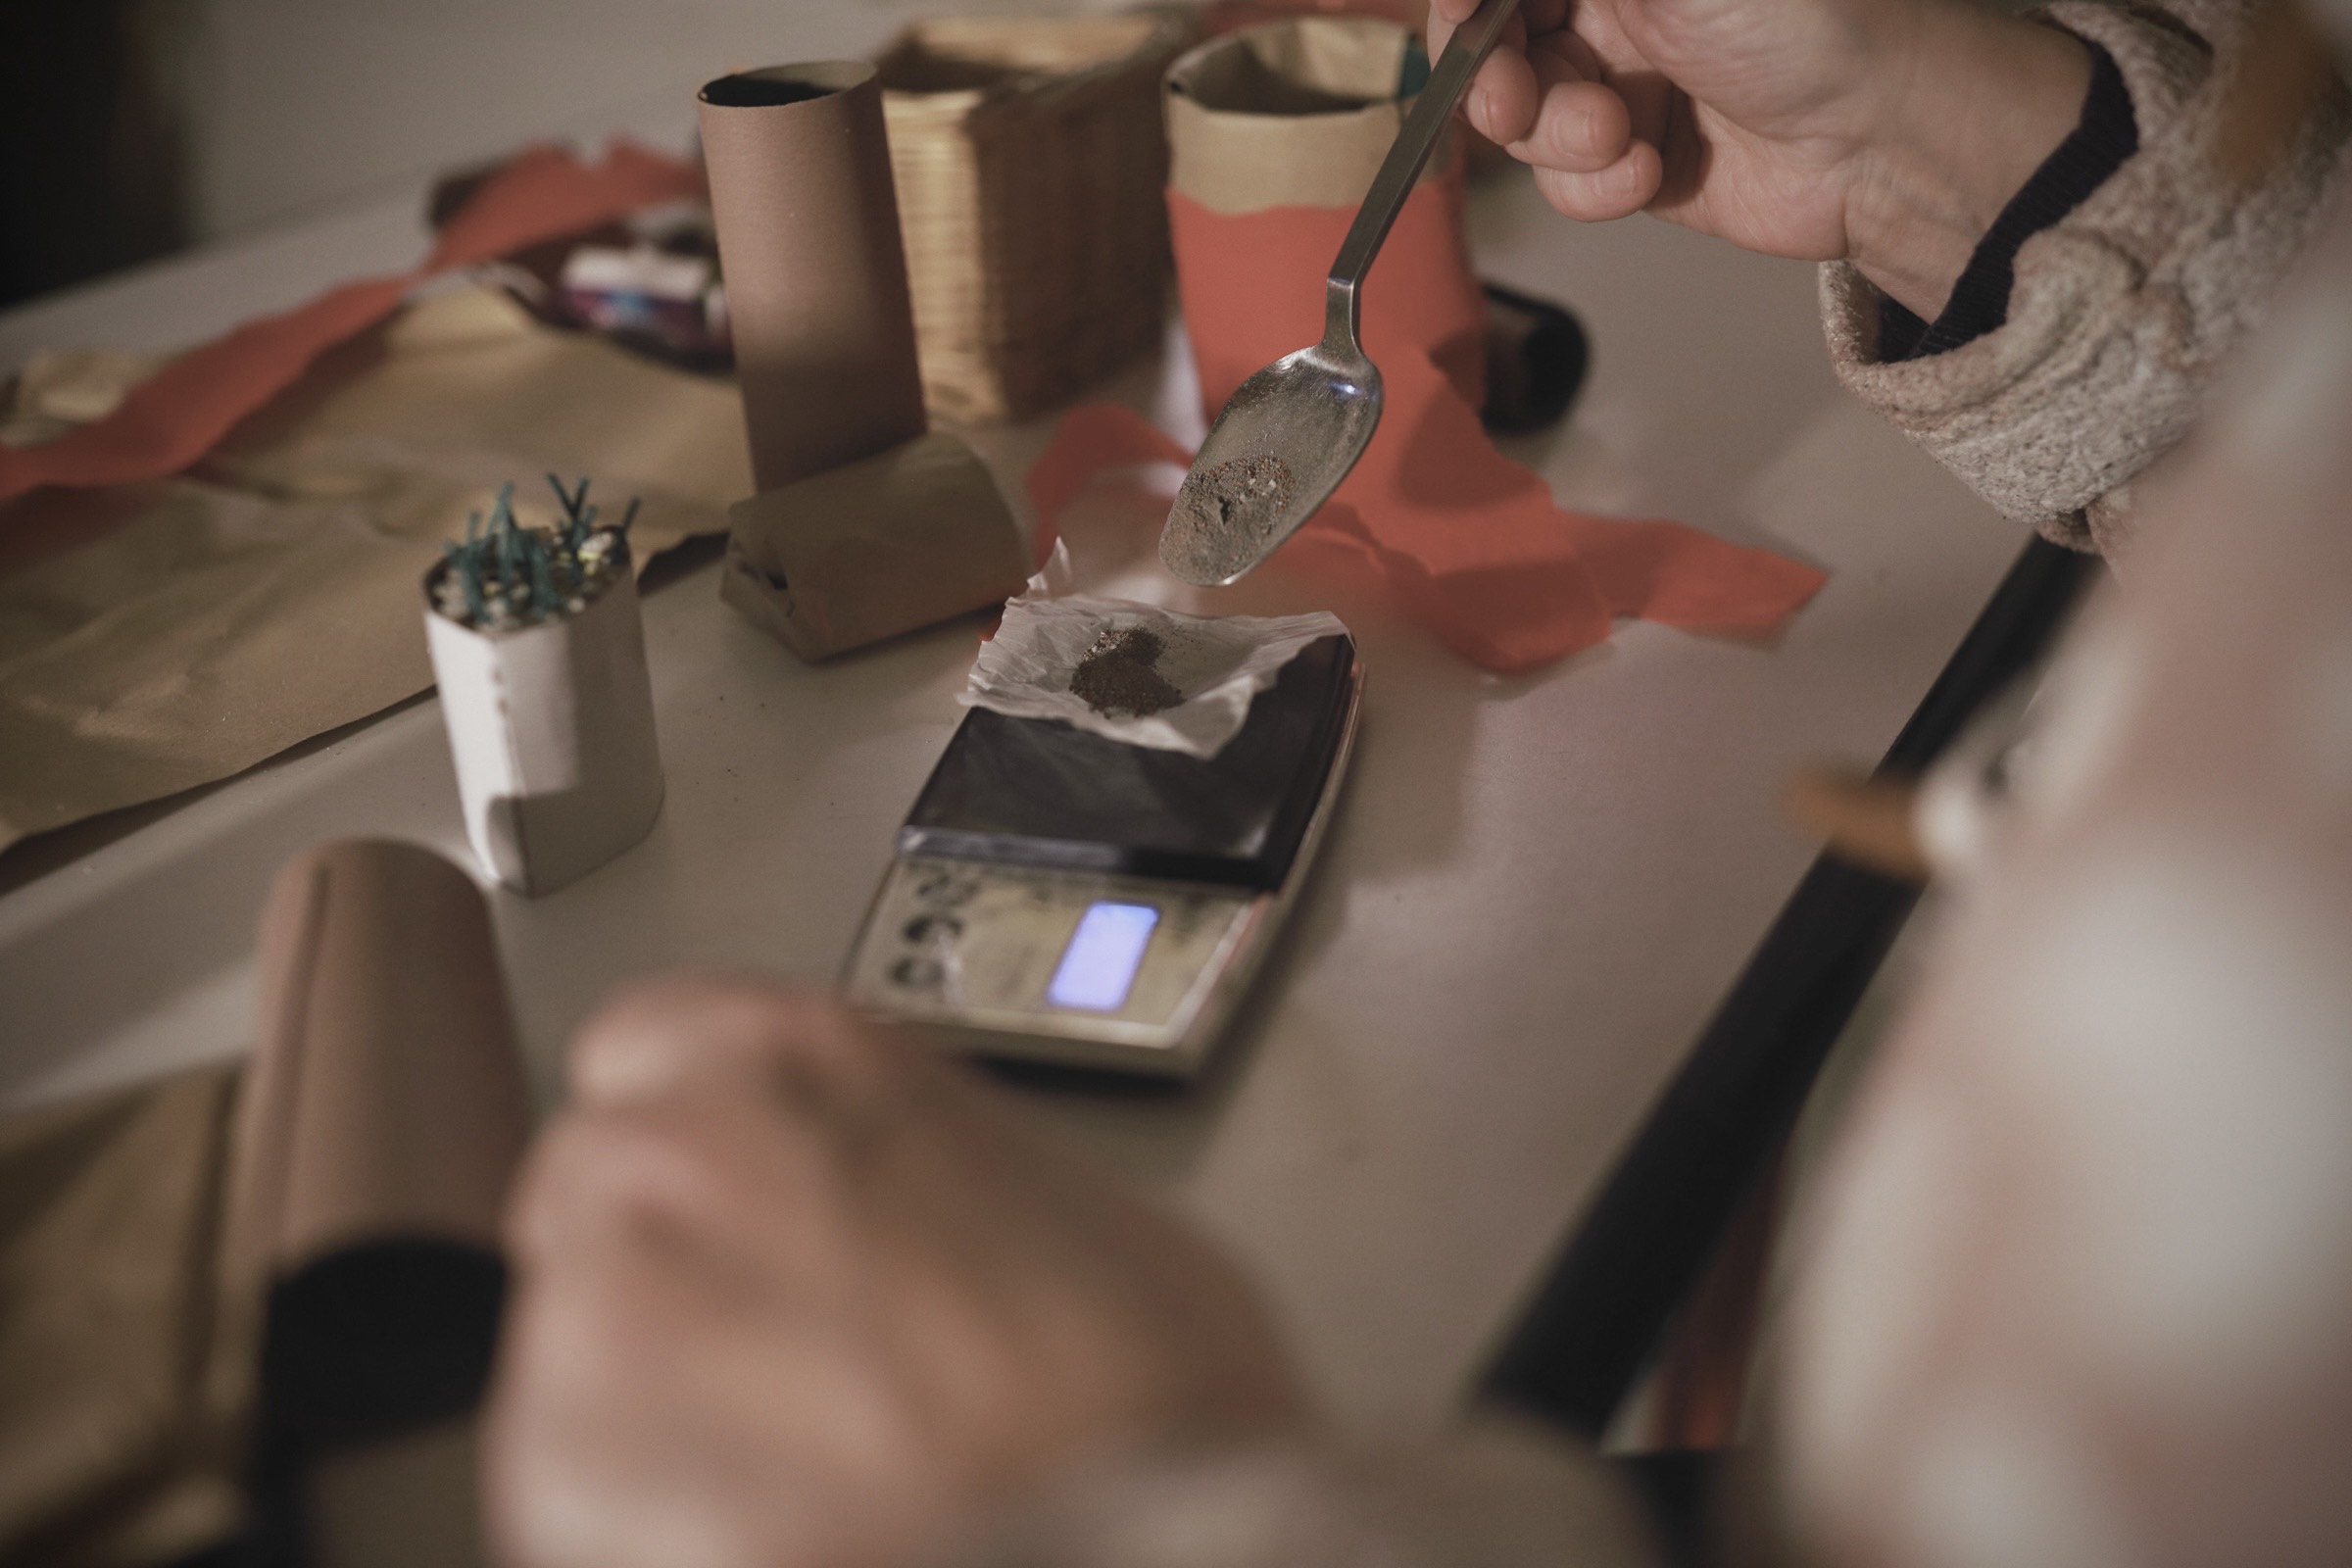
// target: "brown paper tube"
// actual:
[[385, 1098], [816, 278], [385, 1114]]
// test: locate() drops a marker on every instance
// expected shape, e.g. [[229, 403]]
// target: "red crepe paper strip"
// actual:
[[1252, 288], [1468, 541], [184, 410], [1091, 439]]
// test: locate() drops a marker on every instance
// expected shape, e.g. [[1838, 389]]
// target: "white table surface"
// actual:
[[1536, 890]]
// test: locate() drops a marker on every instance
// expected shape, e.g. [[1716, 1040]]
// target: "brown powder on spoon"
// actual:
[[1117, 676], [1233, 504]]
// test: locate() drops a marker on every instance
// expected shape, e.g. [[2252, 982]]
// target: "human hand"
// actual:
[[1888, 132], [794, 1291]]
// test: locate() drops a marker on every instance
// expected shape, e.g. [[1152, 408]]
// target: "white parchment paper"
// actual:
[[1219, 664]]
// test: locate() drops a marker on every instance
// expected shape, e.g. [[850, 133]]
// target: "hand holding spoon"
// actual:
[[1289, 433]]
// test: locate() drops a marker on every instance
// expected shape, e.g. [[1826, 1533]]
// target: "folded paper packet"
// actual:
[[914, 536], [1268, 129], [1212, 667]]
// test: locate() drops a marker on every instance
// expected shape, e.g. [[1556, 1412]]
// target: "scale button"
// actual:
[[917, 974], [946, 889], [924, 929]]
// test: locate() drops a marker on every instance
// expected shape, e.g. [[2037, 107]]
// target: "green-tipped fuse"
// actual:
[[506, 575]]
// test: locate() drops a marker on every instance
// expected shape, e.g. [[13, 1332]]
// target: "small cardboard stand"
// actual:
[[916, 536], [552, 729]]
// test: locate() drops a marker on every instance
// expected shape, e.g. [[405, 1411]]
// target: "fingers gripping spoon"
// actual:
[[1289, 433]]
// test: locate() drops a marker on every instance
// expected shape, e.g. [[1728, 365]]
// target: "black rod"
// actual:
[[1605, 1304]]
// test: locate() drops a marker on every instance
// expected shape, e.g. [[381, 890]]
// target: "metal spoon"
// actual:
[[1289, 433]]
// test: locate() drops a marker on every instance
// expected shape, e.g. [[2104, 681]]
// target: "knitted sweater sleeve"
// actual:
[[2120, 312]]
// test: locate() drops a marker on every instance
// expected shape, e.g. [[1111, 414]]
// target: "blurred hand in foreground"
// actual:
[[1888, 132], [793, 1290]]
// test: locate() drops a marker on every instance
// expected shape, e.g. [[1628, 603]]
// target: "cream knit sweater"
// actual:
[[2122, 312]]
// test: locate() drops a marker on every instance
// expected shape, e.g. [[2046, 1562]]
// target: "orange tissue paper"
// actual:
[[1468, 541]]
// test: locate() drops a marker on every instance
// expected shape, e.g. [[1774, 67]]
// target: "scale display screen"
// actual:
[[1097, 967]]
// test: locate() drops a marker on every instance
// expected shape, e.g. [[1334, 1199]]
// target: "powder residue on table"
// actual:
[[1119, 675], [1232, 509]]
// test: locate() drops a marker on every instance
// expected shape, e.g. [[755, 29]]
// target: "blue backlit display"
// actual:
[[1099, 965]]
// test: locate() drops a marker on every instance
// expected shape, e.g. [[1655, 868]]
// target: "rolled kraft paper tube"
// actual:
[[385, 1096], [385, 1116], [815, 273]]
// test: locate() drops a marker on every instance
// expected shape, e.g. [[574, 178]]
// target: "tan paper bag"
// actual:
[[1290, 114]]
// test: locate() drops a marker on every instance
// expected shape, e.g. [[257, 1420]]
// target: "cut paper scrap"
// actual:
[[1469, 542], [178, 415]]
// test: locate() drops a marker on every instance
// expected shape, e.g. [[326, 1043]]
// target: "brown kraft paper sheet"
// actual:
[[160, 636], [121, 1364]]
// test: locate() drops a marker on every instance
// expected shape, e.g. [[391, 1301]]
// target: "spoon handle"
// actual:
[[1456, 65]]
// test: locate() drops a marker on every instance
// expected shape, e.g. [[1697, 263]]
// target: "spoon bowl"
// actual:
[[1282, 443]]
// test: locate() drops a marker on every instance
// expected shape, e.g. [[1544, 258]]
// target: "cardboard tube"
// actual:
[[385, 1096], [384, 1116], [551, 728], [816, 277]]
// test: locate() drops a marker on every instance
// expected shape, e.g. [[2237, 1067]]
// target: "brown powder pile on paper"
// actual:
[[1117, 676]]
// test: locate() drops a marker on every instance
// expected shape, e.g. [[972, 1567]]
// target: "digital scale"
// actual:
[[1058, 896]]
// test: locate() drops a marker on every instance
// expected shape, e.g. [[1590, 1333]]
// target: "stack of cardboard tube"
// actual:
[[866, 524]]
